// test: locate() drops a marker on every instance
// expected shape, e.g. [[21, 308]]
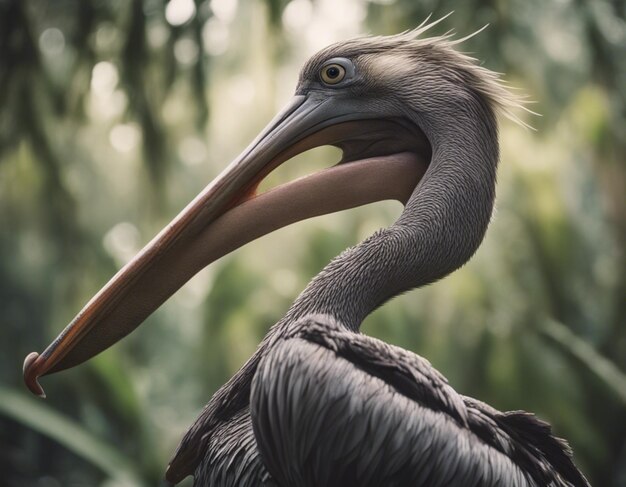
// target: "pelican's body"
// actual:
[[320, 404], [330, 407]]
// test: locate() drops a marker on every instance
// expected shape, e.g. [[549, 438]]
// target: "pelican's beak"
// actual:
[[228, 214]]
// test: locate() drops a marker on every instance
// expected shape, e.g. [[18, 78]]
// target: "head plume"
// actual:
[[440, 51]]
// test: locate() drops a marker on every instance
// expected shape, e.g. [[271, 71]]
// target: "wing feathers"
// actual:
[[335, 408]]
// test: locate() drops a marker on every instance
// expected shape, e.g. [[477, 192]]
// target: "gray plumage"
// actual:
[[231, 456], [332, 407], [320, 404]]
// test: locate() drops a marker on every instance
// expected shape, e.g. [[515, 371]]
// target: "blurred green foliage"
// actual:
[[113, 114]]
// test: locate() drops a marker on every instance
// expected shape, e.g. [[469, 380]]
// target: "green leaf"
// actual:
[[39, 417], [602, 367]]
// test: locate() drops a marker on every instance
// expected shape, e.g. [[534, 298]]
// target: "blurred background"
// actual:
[[114, 114]]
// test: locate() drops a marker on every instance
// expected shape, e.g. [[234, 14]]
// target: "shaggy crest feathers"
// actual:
[[439, 51]]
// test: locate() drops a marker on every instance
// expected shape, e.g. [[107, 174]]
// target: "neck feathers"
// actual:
[[441, 227]]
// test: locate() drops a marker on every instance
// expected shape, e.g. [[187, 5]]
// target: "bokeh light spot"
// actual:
[[186, 51], [215, 37], [122, 242], [124, 137], [297, 14], [52, 41], [158, 33], [179, 12], [104, 78], [224, 10]]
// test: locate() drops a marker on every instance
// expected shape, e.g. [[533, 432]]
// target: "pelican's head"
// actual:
[[379, 99]]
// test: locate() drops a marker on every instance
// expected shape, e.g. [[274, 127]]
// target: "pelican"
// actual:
[[319, 404]]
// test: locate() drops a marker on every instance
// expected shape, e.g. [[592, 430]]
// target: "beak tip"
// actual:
[[31, 376]]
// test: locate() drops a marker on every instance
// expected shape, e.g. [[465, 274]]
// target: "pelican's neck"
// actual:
[[441, 227]]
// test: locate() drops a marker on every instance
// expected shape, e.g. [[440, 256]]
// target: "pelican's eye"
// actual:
[[333, 73]]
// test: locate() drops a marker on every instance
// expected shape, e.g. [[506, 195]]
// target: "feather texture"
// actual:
[[332, 407]]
